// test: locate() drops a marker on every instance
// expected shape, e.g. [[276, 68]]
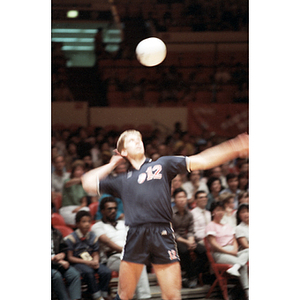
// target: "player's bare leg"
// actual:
[[169, 279], [129, 275]]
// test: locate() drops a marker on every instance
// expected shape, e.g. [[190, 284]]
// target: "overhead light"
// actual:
[[73, 30], [77, 48], [72, 40], [72, 14]]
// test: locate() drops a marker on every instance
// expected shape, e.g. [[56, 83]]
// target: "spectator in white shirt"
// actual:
[[59, 175], [193, 185], [112, 235], [201, 216]]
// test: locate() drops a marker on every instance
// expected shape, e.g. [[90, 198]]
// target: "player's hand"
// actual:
[[117, 158]]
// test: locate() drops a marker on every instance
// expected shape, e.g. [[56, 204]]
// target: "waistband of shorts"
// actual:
[[156, 224]]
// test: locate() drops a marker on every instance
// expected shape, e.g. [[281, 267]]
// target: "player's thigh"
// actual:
[[129, 275], [169, 279]]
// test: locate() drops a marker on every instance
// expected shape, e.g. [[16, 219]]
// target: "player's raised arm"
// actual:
[[219, 154], [90, 180]]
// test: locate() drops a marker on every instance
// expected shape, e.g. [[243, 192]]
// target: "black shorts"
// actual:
[[150, 243]]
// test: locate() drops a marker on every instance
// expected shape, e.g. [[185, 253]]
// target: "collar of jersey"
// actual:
[[147, 160]]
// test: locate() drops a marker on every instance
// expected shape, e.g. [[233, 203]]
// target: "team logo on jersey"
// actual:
[[151, 173], [142, 178]]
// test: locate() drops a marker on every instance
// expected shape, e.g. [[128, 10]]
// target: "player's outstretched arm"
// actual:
[[219, 154], [90, 180]]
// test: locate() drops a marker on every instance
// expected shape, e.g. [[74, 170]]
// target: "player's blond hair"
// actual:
[[122, 137]]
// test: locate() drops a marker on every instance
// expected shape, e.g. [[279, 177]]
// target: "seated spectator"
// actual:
[[214, 186], [217, 172], [74, 197], [112, 235], [225, 169], [232, 181], [224, 246], [61, 270], [193, 185], [230, 213], [71, 155], [201, 216], [59, 176], [83, 254], [175, 184], [183, 225], [243, 179], [243, 197], [242, 229], [120, 210]]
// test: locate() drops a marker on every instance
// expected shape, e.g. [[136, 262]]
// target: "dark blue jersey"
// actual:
[[146, 193]]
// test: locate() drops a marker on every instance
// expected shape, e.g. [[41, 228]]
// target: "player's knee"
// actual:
[[172, 295]]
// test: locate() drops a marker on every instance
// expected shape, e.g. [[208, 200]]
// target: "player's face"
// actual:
[[133, 145]]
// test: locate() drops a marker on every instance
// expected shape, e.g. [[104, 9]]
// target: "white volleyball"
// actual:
[[151, 51]]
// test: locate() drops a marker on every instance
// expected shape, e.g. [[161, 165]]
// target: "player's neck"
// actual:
[[137, 161]]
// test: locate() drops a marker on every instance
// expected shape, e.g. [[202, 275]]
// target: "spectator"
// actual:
[[225, 169], [217, 172], [193, 185], [232, 181], [74, 198], [61, 269], [242, 229], [201, 216], [54, 153], [71, 155], [224, 246], [83, 254], [183, 225], [59, 176], [175, 184], [120, 210], [214, 186], [243, 197], [230, 213], [88, 163], [112, 234], [243, 179]]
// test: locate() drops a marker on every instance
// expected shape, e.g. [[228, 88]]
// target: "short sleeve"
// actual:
[[210, 230], [98, 229], [111, 185]]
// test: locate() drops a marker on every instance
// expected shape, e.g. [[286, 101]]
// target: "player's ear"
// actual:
[[124, 153]]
